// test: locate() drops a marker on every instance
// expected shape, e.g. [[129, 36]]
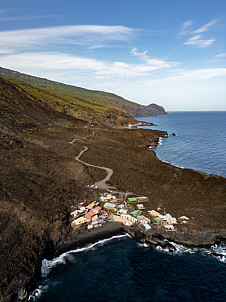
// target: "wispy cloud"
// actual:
[[184, 28], [75, 34], [205, 27], [196, 41], [221, 55], [154, 62], [43, 62]]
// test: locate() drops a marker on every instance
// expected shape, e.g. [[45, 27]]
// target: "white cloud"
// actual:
[[222, 55], [44, 62], [196, 41], [184, 27], [154, 62], [74, 34], [194, 75], [187, 24], [205, 27]]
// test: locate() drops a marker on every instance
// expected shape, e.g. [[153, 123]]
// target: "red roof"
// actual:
[[89, 215], [92, 205], [97, 209]]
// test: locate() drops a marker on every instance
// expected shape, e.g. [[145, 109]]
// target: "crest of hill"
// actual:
[[98, 107]]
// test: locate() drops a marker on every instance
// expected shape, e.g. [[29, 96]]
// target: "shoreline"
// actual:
[[152, 238], [53, 247]]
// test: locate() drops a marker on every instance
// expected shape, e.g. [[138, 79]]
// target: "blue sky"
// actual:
[[172, 52]]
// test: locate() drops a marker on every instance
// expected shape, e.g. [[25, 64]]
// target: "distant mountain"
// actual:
[[97, 107]]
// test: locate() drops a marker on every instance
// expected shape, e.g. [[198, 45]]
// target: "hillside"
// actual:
[[40, 180], [97, 107]]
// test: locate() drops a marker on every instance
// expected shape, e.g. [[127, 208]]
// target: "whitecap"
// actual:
[[160, 141], [36, 294], [143, 245], [47, 265], [219, 250]]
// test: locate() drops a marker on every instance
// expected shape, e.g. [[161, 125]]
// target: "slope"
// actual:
[[94, 106]]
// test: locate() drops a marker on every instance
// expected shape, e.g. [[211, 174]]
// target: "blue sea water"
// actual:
[[200, 141], [118, 269]]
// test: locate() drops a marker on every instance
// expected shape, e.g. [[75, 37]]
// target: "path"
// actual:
[[79, 139], [102, 184]]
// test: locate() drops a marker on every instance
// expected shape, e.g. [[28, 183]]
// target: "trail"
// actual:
[[83, 138], [102, 184]]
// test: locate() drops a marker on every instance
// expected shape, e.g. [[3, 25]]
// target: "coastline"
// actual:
[[135, 143]]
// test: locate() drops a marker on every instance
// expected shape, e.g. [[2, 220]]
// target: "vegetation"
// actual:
[[93, 106]]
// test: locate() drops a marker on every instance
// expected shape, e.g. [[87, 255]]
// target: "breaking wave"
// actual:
[[216, 251], [64, 258]]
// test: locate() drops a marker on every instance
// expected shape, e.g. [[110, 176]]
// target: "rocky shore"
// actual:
[[41, 180]]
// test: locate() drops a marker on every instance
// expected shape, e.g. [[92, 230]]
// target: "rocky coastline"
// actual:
[[41, 179], [153, 237]]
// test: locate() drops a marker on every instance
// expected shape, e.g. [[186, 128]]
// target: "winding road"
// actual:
[[102, 184]]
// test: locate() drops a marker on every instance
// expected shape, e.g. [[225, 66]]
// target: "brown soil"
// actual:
[[40, 180]]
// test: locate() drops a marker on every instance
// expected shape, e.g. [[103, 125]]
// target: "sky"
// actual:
[[169, 52]]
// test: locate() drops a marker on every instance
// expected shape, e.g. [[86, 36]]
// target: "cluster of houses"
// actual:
[[120, 209]]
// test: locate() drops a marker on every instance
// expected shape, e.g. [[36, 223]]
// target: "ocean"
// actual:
[[200, 141], [118, 269]]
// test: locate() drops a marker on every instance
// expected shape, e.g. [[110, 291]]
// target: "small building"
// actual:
[[173, 220], [89, 215], [165, 216], [153, 213], [157, 220], [169, 227], [104, 213], [140, 206], [74, 213], [132, 199], [121, 206], [136, 212], [143, 220], [110, 197], [78, 221], [102, 198], [142, 199], [109, 206], [123, 211], [184, 219], [97, 209], [129, 217], [119, 199], [95, 218], [92, 205]]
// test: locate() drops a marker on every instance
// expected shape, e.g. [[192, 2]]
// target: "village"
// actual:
[[119, 208]]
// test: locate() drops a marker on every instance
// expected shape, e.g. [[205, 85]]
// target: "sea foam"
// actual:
[[47, 265]]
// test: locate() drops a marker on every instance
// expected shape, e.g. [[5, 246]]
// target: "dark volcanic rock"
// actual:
[[40, 181]]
